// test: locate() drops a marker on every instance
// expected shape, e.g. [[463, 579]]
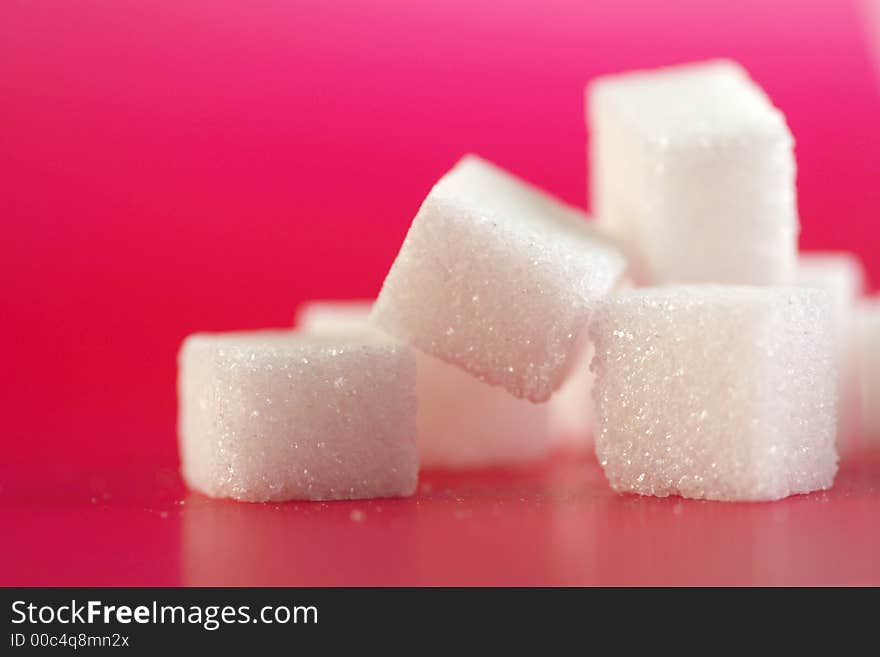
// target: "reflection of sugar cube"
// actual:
[[716, 392], [693, 168], [270, 415], [498, 278]]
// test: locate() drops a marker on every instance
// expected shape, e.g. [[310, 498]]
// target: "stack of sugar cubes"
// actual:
[[679, 334]]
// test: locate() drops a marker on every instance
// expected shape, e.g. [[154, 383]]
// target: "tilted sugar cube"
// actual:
[[693, 169], [841, 275], [716, 392], [462, 422], [867, 348], [271, 415], [498, 278]]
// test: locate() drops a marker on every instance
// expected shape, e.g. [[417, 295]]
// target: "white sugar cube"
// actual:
[[716, 392], [839, 274], [462, 422], [867, 348], [571, 407], [693, 168], [335, 316], [271, 415], [572, 413], [466, 423], [498, 278]]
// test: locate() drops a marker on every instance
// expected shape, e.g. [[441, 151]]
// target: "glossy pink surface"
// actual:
[[169, 167], [556, 524]]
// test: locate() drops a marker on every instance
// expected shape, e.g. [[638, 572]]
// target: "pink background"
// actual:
[[169, 167]]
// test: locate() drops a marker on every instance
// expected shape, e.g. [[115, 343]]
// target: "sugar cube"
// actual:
[[867, 348], [572, 414], [462, 422], [466, 423], [498, 278], [693, 169], [571, 407], [272, 415], [840, 274], [716, 392], [335, 316]]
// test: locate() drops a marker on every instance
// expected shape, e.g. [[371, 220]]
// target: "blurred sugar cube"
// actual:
[[271, 416], [331, 316], [462, 422], [693, 169], [466, 423], [867, 348], [572, 414], [716, 392], [840, 274], [571, 407], [499, 279]]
